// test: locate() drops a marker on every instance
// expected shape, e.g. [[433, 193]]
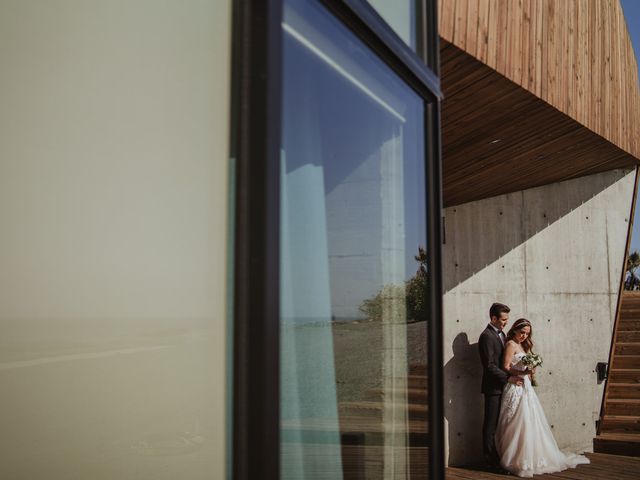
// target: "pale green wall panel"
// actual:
[[114, 131]]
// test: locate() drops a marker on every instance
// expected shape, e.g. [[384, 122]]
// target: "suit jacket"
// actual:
[[491, 350]]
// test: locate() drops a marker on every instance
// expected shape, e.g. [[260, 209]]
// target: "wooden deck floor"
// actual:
[[605, 467]]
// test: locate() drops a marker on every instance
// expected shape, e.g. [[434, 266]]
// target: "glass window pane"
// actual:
[[353, 271], [401, 15]]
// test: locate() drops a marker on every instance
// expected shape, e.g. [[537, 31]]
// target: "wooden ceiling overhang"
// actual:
[[536, 92]]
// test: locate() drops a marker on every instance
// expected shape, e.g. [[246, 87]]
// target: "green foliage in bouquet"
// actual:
[[532, 360]]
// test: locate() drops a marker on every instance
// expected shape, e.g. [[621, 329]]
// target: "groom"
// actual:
[[491, 346]]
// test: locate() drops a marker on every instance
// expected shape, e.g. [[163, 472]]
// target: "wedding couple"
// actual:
[[515, 433]]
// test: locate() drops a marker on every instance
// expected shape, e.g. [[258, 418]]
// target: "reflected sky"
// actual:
[[354, 131], [401, 16]]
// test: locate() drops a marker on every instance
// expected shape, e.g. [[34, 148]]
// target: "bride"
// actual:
[[523, 439]]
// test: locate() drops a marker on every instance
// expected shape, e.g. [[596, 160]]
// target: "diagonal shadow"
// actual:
[[479, 233], [463, 400]]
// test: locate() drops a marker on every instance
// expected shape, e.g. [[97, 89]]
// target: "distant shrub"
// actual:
[[413, 293]]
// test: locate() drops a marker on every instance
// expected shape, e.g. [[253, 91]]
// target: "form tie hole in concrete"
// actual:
[[549, 373], [587, 218], [591, 319], [458, 320], [551, 426], [454, 210], [547, 268], [548, 319], [584, 424], [502, 266], [500, 213], [589, 268]]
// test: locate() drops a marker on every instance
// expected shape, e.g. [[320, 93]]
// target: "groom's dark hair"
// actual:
[[498, 308]]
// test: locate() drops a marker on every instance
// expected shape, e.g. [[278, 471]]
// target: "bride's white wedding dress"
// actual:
[[523, 439]]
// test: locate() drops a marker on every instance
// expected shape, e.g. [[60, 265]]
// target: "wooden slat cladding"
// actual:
[[574, 54], [498, 137]]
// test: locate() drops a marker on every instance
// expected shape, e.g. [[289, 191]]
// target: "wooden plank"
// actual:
[[619, 69], [561, 65], [605, 85], [460, 24], [446, 11], [532, 45], [492, 37], [582, 58], [594, 46], [503, 41], [611, 467], [623, 390], [620, 424], [629, 336], [471, 32], [623, 406], [482, 38], [627, 348], [623, 375], [630, 323], [571, 53]]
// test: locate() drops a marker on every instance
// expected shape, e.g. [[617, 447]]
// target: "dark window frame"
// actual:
[[255, 145]]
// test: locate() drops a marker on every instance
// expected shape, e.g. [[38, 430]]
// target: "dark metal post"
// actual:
[[435, 322], [256, 145]]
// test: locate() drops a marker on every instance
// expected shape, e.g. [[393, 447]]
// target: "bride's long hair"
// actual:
[[527, 345]]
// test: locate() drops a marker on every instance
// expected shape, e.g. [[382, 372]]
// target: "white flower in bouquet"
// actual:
[[532, 360]]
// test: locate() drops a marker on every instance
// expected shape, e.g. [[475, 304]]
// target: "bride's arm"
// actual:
[[509, 350]]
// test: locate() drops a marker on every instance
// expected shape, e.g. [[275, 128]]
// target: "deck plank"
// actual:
[[602, 466]]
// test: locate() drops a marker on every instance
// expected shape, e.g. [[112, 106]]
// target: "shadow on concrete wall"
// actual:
[[516, 216], [463, 400]]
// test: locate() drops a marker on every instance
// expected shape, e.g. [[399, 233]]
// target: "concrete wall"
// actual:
[[114, 132], [554, 254]]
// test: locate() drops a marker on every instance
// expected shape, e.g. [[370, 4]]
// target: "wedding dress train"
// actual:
[[523, 438]]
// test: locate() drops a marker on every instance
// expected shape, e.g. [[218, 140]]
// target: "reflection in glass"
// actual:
[[353, 264], [401, 15]]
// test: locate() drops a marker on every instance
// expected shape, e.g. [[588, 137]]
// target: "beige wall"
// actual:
[[113, 238]]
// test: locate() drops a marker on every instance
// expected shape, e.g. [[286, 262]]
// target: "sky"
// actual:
[[631, 10]]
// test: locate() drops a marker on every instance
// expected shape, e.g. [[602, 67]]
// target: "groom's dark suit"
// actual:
[[493, 379]]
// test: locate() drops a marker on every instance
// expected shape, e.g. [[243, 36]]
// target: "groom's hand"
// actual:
[[515, 380]]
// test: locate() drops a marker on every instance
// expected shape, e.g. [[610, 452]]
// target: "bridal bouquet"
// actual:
[[532, 360]]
